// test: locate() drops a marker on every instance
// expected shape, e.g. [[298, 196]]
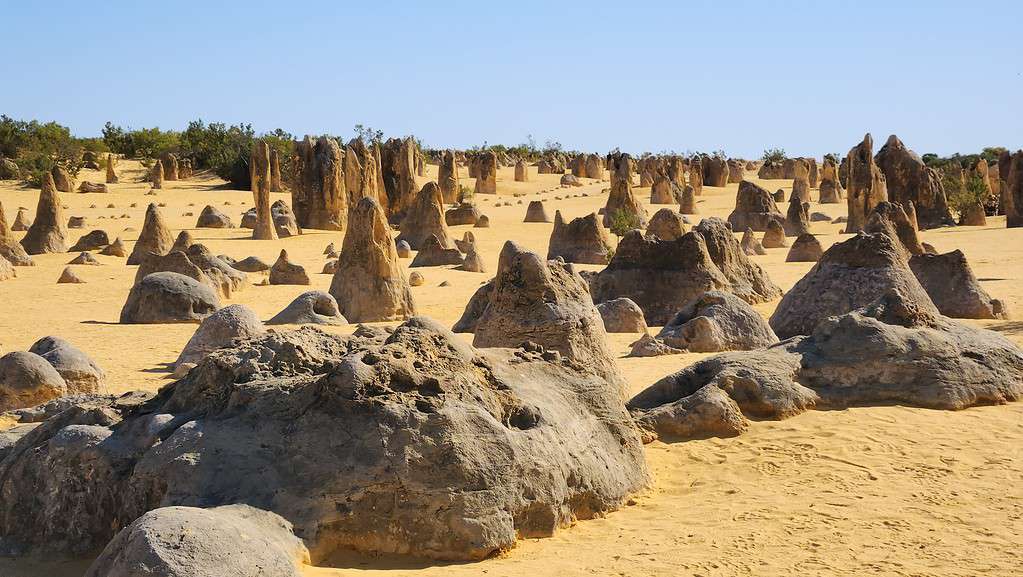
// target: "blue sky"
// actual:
[[810, 77]]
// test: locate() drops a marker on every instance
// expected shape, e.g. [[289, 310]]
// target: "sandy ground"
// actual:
[[884, 491]]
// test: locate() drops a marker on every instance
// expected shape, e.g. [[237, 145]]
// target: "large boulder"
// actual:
[[889, 351], [544, 302], [227, 541], [464, 213], [219, 330], [369, 285], [806, 248], [10, 249], [436, 449], [310, 308], [319, 195], [48, 232], [665, 191], [284, 271], [536, 212], [709, 412], [27, 379], [849, 275], [486, 179], [908, 179], [831, 191], [666, 224], [622, 315], [717, 321], [433, 253], [747, 280], [715, 171], [81, 374], [797, 218], [866, 188], [621, 199], [93, 240], [155, 237], [425, 218], [754, 208], [169, 297], [582, 240], [951, 284], [660, 276], [211, 217], [447, 177], [199, 264]]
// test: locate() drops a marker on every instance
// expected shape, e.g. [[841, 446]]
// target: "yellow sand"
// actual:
[[887, 490]]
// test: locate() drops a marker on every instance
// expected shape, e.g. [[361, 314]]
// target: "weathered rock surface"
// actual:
[[486, 178], [48, 232], [155, 237], [908, 179], [425, 218], [464, 213], [806, 248], [212, 217], [310, 308], [849, 275], [219, 330], [890, 351], [26, 380], [622, 315], [286, 272], [621, 199], [867, 185], [536, 212], [660, 276], [831, 191], [582, 240], [232, 540], [797, 218], [483, 446], [951, 284], [750, 245], [369, 285], [708, 412], [717, 321], [169, 297], [250, 264], [746, 279], [754, 208], [547, 303], [320, 196], [433, 253], [666, 224], [93, 240]]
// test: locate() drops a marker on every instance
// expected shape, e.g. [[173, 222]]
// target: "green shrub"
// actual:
[[141, 143], [774, 155], [622, 221], [38, 147], [963, 194]]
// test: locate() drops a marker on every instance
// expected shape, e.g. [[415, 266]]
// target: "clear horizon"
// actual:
[[808, 77]]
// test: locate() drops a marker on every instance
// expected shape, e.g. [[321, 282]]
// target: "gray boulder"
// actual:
[[310, 308], [169, 297], [219, 330], [717, 321], [228, 541], [26, 379], [483, 447], [81, 374], [622, 315]]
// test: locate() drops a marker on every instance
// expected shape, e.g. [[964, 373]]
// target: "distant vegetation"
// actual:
[[966, 193], [773, 155]]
